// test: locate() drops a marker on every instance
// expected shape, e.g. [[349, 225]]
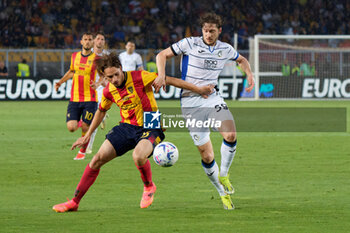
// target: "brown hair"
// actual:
[[99, 33], [210, 18], [106, 61], [87, 34]]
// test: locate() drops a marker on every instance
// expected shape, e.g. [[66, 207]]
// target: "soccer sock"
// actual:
[[92, 139], [212, 171], [228, 151], [88, 178], [80, 123], [83, 148], [146, 173]]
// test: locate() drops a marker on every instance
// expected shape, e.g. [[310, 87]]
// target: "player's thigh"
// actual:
[[89, 109], [200, 134], [143, 149], [147, 141], [222, 117], [226, 123], [105, 154]]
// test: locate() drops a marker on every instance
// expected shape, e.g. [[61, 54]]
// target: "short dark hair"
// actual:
[[211, 18], [99, 33], [106, 61], [87, 34]]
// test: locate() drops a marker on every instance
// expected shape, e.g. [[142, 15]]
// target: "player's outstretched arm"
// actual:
[[99, 115], [161, 58], [244, 64], [202, 90], [100, 82], [68, 75]]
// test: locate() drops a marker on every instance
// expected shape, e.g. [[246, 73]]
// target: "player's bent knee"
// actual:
[[139, 158], [230, 136], [72, 127], [97, 161], [207, 157]]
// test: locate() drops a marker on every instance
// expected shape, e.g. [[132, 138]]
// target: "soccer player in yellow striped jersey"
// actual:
[[83, 101], [132, 92]]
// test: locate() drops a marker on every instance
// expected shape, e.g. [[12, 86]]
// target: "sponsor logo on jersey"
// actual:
[[210, 64]]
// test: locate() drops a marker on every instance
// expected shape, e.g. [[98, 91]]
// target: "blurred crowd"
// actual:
[[158, 23]]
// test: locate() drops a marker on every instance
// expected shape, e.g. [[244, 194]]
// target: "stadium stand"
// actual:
[[57, 24]]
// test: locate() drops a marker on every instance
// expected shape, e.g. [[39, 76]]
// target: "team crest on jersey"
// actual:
[[89, 62], [219, 53], [130, 89]]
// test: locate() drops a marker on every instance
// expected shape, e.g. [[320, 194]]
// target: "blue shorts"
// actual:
[[85, 110], [124, 137]]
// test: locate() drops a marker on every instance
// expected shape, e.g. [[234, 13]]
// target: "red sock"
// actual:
[[80, 123], [146, 173], [88, 178], [83, 148]]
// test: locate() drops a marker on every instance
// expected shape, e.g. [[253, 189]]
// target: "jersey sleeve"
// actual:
[[148, 77], [138, 61], [106, 101], [183, 46], [72, 62], [232, 53]]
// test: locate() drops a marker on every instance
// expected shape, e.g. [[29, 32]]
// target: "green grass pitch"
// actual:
[[285, 182]]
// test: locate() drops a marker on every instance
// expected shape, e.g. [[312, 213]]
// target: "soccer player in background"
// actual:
[[83, 100], [133, 93], [203, 58], [101, 82], [130, 59]]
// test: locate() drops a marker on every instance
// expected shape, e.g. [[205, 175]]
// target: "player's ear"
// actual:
[[220, 30]]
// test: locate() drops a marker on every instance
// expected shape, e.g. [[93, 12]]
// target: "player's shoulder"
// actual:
[[187, 41], [196, 39], [136, 54], [223, 45], [122, 54], [74, 54], [105, 52], [107, 91], [139, 74]]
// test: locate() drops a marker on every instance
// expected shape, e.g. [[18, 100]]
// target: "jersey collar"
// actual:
[[123, 83], [210, 46]]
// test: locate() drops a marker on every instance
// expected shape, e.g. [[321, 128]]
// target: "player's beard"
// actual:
[[212, 43], [87, 48]]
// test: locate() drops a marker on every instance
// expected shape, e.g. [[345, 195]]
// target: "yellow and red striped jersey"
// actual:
[[134, 98], [84, 72]]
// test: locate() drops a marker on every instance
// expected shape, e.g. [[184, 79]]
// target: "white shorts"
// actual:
[[206, 117], [99, 91]]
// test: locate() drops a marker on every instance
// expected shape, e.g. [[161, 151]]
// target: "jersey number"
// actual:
[[88, 116], [220, 106]]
